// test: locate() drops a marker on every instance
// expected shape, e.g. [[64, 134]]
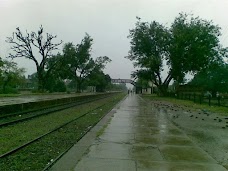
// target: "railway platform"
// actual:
[[136, 135], [32, 98]]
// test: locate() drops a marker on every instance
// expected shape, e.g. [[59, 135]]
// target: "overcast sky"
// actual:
[[107, 21]]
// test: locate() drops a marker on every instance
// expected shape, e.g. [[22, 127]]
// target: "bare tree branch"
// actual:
[[23, 44]]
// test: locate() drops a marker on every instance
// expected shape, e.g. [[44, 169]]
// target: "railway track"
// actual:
[[36, 139], [19, 150], [24, 116]]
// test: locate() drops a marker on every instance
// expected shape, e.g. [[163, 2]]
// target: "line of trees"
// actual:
[[190, 46], [213, 79], [73, 65]]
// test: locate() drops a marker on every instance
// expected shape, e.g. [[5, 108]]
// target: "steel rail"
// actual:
[[65, 151], [55, 129]]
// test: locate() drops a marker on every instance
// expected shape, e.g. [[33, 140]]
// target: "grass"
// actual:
[[101, 131], [9, 95], [190, 104], [41, 153]]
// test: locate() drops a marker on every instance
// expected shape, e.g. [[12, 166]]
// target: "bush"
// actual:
[[9, 90]]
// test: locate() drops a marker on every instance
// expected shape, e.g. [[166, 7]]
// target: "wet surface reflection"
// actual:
[[31, 98], [143, 136]]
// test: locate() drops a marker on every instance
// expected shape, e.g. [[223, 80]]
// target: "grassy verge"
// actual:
[[9, 95], [101, 131], [40, 154], [190, 104]]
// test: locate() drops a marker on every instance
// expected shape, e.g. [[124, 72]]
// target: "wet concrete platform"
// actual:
[[136, 136], [33, 98]]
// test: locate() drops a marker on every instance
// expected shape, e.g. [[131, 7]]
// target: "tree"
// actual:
[[194, 46], [213, 79], [118, 87], [149, 48], [33, 81], [11, 76], [1, 64], [55, 84], [79, 63], [189, 46], [78, 60], [55, 70], [24, 45], [98, 79]]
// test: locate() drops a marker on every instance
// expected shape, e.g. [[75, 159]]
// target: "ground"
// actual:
[[151, 135], [208, 130]]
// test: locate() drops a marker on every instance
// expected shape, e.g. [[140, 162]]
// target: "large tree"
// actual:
[[37, 47], [162, 54], [78, 61], [194, 46], [149, 48]]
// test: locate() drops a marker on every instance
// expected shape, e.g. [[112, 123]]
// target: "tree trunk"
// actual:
[[163, 89], [79, 86], [40, 81], [5, 85]]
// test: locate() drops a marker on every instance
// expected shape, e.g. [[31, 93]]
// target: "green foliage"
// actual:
[[74, 64], [100, 80], [214, 79], [117, 87], [142, 83], [190, 45], [11, 76], [1, 64], [55, 72], [194, 45], [79, 65], [9, 90], [54, 84], [149, 48], [33, 82], [101, 62]]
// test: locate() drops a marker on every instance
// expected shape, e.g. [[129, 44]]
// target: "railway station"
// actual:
[[134, 134], [137, 136], [97, 85]]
